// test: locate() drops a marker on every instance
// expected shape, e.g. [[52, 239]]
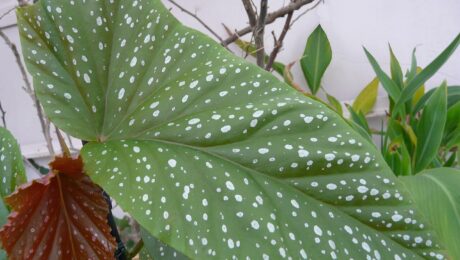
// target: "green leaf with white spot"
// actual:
[[436, 193], [210, 154], [12, 172], [155, 249]]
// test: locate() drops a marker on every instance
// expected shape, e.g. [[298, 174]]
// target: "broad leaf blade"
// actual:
[[211, 126], [427, 72], [430, 128], [437, 195], [366, 99], [316, 58], [12, 172], [63, 215]]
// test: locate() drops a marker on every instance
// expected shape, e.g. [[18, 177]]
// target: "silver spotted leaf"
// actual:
[[12, 172], [212, 155]]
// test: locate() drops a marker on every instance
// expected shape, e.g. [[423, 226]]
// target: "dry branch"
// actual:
[[279, 41], [271, 17], [259, 31]]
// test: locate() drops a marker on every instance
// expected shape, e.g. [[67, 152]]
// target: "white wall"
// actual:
[[428, 25]]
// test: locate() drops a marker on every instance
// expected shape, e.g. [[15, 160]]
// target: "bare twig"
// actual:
[[270, 19], [306, 11], [3, 112], [259, 31], [196, 18], [289, 79], [248, 6], [279, 41], [7, 12], [64, 148], [29, 90]]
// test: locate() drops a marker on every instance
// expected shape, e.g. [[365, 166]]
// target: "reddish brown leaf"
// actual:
[[60, 216]]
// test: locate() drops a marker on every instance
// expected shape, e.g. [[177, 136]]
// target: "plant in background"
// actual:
[[211, 155], [422, 129]]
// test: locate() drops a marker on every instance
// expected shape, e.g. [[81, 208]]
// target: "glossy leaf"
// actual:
[[427, 72], [12, 172], [316, 58], [210, 154], [366, 99], [63, 215], [437, 195], [388, 84], [430, 128]]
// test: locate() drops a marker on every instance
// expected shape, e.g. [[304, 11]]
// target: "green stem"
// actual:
[[136, 249]]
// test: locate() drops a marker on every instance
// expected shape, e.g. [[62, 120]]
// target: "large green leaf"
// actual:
[[157, 250], [316, 58], [211, 154], [437, 195], [430, 129], [12, 172]]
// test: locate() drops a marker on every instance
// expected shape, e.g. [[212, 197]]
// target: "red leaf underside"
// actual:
[[60, 216]]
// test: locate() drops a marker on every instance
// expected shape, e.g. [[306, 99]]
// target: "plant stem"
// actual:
[[120, 253], [136, 249], [259, 34]]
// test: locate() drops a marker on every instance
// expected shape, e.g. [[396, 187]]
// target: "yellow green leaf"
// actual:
[[366, 99], [420, 92]]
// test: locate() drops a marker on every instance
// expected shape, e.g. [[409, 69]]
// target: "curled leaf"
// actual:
[[60, 216]]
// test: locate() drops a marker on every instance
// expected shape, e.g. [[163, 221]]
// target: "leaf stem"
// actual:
[[136, 249]]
